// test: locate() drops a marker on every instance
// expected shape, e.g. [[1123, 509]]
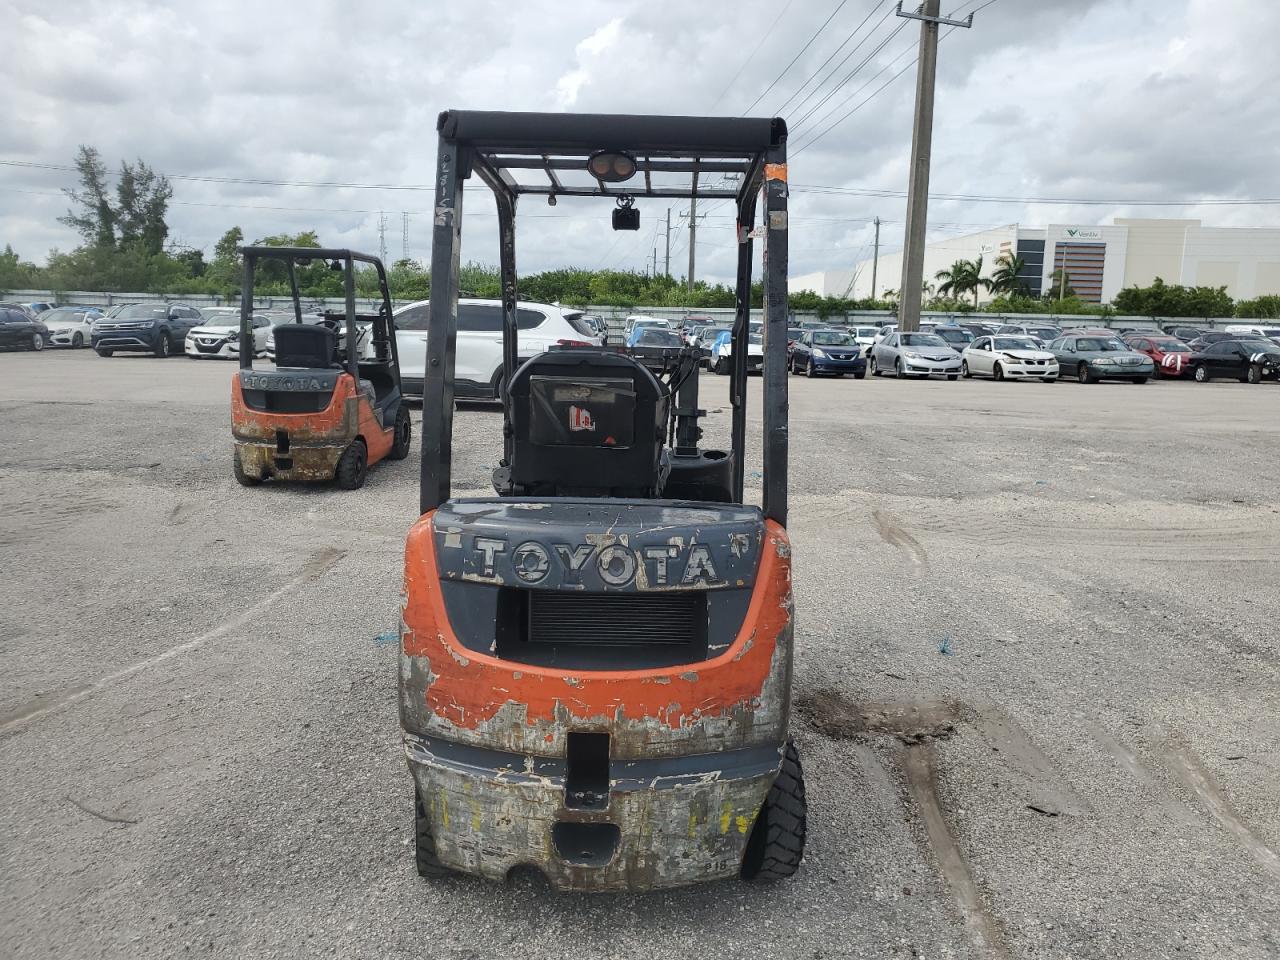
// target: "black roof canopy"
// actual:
[[559, 143]]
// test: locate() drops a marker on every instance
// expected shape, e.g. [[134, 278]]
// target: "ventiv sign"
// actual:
[[1081, 233]]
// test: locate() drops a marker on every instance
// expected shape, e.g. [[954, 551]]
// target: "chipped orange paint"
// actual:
[[349, 414], [469, 688], [775, 171]]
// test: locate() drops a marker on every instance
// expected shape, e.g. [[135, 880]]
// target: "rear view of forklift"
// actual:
[[320, 415], [596, 662]]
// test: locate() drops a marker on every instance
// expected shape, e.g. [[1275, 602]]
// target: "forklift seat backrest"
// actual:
[[587, 422], [305, 345]]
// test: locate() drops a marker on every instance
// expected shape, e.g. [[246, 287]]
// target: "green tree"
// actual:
[[1266, 307], [96, 219], [1006, 278], [142, 200], [15, 274], [1174, 300], [1059, 287], [963, 277]]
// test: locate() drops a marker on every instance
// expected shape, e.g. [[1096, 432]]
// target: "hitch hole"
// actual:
[[587, 844], [282, 442], [586, 779]]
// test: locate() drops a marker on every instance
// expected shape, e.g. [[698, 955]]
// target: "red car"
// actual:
[[1170, 354]]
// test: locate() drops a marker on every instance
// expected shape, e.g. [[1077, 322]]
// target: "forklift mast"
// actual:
[[619, 158]]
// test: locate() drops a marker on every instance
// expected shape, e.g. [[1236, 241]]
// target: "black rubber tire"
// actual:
[[353, 467], [997, 372], [1083, 374], [1139, 379], [77, 340], [897, 368], [37, 342], [424, 844], [1200, 374], [103, 352], [875, 368], [776, 845], [860, 376], [1253, 374], [808, 368], [404, 434], [237, 470], [965, 371], [164, 346]]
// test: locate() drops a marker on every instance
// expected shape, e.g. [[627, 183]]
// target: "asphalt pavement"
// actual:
[[1037, 684]]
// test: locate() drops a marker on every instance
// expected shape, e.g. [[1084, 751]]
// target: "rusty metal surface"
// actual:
[[309, 463], [486, 823], [681, 833]]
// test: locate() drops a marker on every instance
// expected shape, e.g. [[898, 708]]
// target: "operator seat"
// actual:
[[305, 345], [585, 422]]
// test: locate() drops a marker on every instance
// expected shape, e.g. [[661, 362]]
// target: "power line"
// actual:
[[853, 33], [808, 43], [750, 56], [853, 73]]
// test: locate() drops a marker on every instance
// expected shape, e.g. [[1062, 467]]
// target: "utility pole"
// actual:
[[404, 235], [382, 236], [921, 148], [875, 263], [667, 270], [693, 228]]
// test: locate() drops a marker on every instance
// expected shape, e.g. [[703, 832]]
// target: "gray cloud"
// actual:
[[1125, 101]]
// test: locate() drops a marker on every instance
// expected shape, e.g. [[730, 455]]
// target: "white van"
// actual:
[[478, 362], [1268, 332]]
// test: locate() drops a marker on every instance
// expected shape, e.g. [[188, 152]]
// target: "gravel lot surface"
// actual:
[[198, 725]]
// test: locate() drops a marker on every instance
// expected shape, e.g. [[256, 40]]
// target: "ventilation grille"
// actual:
[[617, 620]]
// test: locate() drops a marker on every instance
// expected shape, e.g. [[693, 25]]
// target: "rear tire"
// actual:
[[403, 436], [237, 470], [353, 467], [776, 845], [424, 844]]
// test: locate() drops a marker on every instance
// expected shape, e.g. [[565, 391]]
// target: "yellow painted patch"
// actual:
[[693, 825], [744, 823], [444, 808], [726, 817]]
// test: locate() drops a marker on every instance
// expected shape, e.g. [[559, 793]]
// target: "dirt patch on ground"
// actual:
[[833, 715]]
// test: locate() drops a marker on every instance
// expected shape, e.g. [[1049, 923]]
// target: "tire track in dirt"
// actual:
[[892, 532]]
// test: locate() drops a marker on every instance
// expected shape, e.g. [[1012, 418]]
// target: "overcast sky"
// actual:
[[1115, 100]]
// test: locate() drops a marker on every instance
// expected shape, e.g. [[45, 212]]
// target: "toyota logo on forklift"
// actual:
[[595, 661]]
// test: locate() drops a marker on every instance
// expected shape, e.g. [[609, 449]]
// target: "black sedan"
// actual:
[[19, 332], [828, 351], [657, 348], [1249, 361]]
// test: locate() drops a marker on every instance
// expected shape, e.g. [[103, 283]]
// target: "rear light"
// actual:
[[574, 343]]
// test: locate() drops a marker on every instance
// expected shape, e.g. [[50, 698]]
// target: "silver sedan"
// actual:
[[915, 355]]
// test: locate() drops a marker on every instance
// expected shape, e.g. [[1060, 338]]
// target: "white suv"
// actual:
[[477, 373]]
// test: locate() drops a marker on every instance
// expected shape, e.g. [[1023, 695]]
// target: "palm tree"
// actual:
[[1007, 277], [965, 276]]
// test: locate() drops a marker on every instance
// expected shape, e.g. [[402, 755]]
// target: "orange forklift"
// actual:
[[325, 413], [595, 668]]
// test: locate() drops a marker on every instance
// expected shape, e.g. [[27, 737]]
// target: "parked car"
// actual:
[[219, 336], [155, 328], [821, 352], [722, 352], [478, 361], [1090, 359], [19, 331], [1213, 336], [23, 308], [69, 326], [638, 320], [1043, 332], [915, 355], [1183, 332], [1169, 354], [980, 329], [657, 349], [957, 337], [883, 333], [1011, 358], [1250, 361], [1269, 331], [41, 306]]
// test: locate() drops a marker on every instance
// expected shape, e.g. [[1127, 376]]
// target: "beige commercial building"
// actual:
[[1100, 260]]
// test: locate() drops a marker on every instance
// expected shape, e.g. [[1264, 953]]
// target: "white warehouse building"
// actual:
[[1100, 261]]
